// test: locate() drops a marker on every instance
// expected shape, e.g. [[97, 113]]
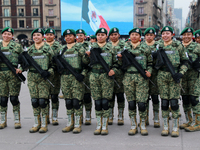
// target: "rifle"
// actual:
[[63, 64], [96, 58], [29, 61], [129, 60], [5, 60]]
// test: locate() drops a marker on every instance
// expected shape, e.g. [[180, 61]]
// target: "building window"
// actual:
[[21, 12], [21, 23], [51, 23], [7, 23], [20, 2], [50, 12], [35, 11], [35, 2], [140, 10], [6, 12], [35, 23], [6, 2], [50, 1], [141, 22]]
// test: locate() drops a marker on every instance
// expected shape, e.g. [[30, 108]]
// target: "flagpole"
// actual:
[[81, 15]]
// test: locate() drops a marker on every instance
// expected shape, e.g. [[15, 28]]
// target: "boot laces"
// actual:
[[77, 121], [133, 123], [36, 121], [43, 121], [175, 125], [104, 123], [143, 127]]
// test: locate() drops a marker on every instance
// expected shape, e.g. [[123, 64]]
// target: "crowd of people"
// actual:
[[104, 72]]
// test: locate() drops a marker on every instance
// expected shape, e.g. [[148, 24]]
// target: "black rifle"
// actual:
[[161, 53], [129, 60], [63, 64], [29, 61], [96, 58], [5, 60]]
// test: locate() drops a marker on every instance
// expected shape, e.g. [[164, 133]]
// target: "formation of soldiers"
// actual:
[[104, 71]]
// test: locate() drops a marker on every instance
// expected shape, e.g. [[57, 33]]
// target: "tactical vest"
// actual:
[[173, 55], [191, 52]]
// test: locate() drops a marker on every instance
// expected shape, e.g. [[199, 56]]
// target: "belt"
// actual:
[[132, 72], [98, 71], [167, 70]]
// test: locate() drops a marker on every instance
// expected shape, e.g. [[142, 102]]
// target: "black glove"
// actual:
[[177, 77], [45, 74], [154, 55], [196, 64], [80, 77]]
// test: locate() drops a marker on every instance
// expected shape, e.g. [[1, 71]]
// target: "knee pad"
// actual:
[[14, 100], [54, 98], [165, 104], [76, 104], [174, 104], [155, 99], [4, 101], [43, 102], [69, 103], [120, 97], [87, 98], [186, 99], [132, 105], [113, 98], [105, 103], [141, 107], [98, 105], [35, 102], [193, 100]]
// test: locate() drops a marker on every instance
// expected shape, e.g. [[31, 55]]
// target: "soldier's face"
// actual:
[[135, 37], [149, 37], [50, 37], [93, 40], [187, 37], [101, 37], [167, 36], [38, 38], [80, 37], [197, 39], [7, 36], [69, 38], [114, 37]]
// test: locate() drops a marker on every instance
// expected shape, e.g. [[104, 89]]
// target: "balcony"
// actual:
[[140, 15], [50, 5], [54, 27], [140, 3]]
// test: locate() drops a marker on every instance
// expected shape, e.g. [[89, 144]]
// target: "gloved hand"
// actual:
[[177, 77], [45, 74], [196, 64], [80, 77]]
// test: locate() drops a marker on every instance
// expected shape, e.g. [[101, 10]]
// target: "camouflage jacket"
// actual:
[[85, 45], [56, 47], [12, 52], [176, 54]]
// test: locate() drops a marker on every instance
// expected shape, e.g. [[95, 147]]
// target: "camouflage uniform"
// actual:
[[10, 84], [39, 88]]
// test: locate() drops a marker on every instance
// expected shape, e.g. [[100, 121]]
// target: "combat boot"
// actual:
[[121, 117], [3, 120], [78, 123], [175, 128], [195, 126], [99, 126], [70, 123], [143, 129], [37, 124], [133, 129], [88, 118], [147, 118], [44, 128], [55, 117], [156, 119], [110, 120], [104, 130], [165, 131], [17, 119], [188, 116]]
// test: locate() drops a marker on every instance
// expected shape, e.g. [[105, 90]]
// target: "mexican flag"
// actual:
[[92, 16]]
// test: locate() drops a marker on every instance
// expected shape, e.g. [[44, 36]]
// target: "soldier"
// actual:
[[100, 82], [168, 84], [39, 88], [87, 101], [197, 36], [54, 91], [10, 84], [72, 88], [93, 39], [117, 46], [190, 83], [153, 90], [135, 86]]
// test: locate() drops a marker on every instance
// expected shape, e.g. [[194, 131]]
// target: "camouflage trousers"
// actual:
[[56, 82], [168, 89], [72, 89], [102, 86], [15, 108], [88, 106], [136, 89], [38, 87], [40, 111]]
